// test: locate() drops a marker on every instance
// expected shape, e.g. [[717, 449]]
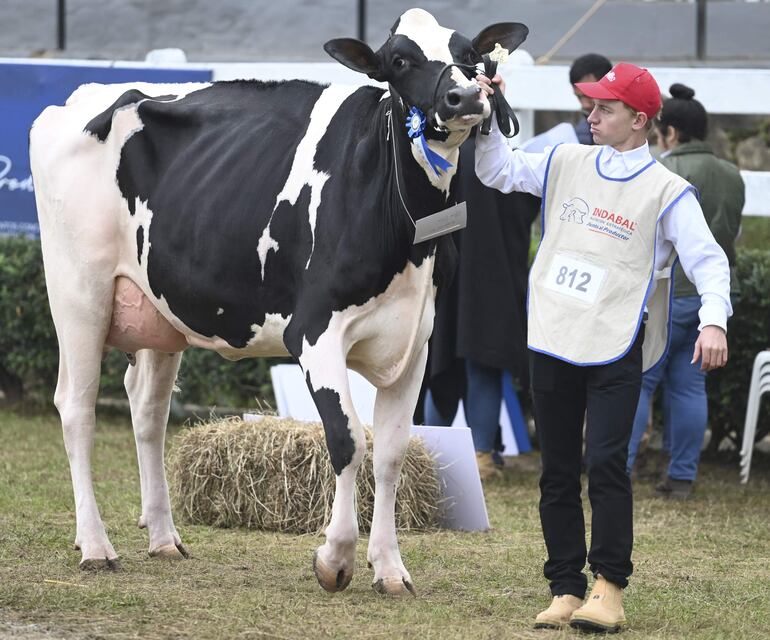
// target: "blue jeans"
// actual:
[[482, 405], [685, 409]]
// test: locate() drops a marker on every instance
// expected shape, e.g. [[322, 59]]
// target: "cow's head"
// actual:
[[413, 61]]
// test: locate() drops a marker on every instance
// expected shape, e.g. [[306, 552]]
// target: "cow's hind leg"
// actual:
[[82, 322], [393, 412], [149, 384], [334, 561]]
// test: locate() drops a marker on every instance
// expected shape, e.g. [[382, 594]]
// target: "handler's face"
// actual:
[[611, 122]]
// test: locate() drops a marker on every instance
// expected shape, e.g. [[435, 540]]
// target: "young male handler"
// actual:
[[613, 220]]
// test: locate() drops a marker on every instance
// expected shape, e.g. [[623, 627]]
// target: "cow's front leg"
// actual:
[[393, 412], [334, 561]]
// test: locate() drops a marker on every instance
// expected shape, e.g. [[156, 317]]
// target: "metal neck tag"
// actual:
[[441, 223]]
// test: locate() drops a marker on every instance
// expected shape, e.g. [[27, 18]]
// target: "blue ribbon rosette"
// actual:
[[415, 125]]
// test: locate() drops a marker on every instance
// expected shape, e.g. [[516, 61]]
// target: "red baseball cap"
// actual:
[[628, 83]]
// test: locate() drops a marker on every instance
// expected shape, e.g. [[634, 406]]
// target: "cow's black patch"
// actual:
[[339, 440], [210, 165], [101, 125], [139, 243], [363, 235]]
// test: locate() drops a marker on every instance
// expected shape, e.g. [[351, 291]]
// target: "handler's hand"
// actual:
[[711, 348], [486, 84]]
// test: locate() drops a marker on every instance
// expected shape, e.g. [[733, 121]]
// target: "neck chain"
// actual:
[[392, 136]]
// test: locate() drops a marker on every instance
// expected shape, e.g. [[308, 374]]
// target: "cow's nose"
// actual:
[[463, 100]]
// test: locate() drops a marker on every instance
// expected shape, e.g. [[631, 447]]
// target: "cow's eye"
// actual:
[[399, 63]]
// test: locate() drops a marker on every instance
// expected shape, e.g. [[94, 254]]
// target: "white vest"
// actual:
[[593, 273]]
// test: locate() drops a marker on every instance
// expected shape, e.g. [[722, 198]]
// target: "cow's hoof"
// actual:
[[393, 587], [329, 579], [170, 552], [141, 523], [99, 564]]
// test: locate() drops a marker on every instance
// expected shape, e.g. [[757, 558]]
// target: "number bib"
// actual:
[[592, 276], [575, 278]]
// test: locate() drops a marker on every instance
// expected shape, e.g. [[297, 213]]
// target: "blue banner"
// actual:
[[27, 89]]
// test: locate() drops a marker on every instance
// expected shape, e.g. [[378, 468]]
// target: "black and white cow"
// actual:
[[256, 218]]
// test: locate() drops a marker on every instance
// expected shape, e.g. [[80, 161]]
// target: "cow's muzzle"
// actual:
[[465, 102], [457, 101], [462, 101]]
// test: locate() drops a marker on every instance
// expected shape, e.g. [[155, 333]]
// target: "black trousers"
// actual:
[[607, 396]]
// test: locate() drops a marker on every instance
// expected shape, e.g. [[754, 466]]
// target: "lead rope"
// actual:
[[499, 106]]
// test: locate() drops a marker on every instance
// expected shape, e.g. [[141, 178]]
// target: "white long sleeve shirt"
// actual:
[[683, 229]]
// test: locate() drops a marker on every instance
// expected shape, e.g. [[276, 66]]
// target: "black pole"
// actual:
[[362, 20], [700, 30], [61, 25]]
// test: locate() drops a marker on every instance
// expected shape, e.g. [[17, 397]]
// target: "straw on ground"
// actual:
[[275, 475]]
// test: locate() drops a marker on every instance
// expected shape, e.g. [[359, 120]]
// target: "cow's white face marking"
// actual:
[[302, 172], [423, 29], [433, 40]]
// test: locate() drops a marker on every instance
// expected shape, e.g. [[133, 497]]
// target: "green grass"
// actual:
[[701, 567]]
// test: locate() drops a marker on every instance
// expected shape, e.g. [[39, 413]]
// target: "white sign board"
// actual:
[[451, 447]]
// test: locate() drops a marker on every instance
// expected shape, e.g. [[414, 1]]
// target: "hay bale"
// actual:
[[275, 475]]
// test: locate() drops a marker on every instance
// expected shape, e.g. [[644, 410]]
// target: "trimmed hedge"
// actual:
[[748, 332], [206, 378], [28, 349]]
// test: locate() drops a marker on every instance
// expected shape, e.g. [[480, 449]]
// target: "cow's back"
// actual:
[[183, 186]]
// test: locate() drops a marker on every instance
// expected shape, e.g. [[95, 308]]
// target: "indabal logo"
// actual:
[[575, 210], [610, 76]]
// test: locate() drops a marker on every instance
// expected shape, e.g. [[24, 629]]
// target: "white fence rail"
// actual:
[[538, 88], [546, 88], [722, 91], [731, 91]]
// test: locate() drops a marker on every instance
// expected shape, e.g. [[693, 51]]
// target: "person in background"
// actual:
[[612, 218], [480, 328], [587, 68], [681, 130]]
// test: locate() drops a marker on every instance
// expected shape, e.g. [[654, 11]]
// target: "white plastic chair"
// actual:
[[760, 383]]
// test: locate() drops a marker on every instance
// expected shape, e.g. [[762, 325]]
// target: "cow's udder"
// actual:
[[137, 324]]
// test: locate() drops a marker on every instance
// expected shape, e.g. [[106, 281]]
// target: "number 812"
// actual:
[[564, 273]]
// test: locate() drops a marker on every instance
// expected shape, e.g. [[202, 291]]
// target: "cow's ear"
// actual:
[[509, 34], [355, 55]]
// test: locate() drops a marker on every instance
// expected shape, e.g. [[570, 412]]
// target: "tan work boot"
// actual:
[[603, 611], [488, 470], [558, 614]]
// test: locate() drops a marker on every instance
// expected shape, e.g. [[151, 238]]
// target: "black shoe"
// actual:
[[674, 489]]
